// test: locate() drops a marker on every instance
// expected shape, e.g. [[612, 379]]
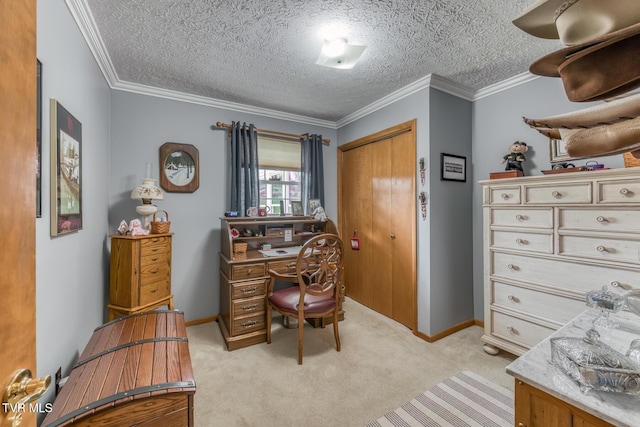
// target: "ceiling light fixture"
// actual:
[[337, 53]]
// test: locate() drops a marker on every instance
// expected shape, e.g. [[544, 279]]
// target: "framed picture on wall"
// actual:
[[453, 168], [179, 168], [66, 171]]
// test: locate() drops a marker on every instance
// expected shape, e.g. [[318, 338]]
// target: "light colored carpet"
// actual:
[[381, 366], [466, 399]]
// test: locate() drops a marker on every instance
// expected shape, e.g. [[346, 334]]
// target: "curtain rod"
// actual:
[[271, 132]]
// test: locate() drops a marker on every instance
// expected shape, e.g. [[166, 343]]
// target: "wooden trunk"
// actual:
[[135, 370]]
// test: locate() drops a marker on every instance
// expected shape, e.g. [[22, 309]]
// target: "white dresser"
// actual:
[[547, 241]]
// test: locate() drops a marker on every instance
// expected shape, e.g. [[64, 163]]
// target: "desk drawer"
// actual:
[[245, 325], [247, 271], [523, 217], [518, 331], [579, 192], [154, 273], [534, 242], [600, 248], [282, 267], [244, 307], [616, 220], [627, 191], [248, 289]]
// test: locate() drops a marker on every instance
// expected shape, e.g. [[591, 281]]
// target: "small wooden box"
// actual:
[[505, 174], [135, 370], [278, 231]]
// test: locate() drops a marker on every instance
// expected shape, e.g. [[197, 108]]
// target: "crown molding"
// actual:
[[512, 82], [452, 88]]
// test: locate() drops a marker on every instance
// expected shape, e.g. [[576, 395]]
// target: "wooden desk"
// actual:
[[244, 275], [135, 370]]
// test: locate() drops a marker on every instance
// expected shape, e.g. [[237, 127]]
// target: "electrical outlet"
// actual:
[[58, 378]]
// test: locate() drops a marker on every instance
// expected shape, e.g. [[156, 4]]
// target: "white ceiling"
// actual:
[[262, 53]]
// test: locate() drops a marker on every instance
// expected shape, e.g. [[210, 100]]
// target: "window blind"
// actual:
[[278, 153]]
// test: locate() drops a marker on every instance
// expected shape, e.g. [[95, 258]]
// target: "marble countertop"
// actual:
[[535, 368]]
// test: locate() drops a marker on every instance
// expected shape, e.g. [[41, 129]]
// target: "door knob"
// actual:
[[393, 236], [20, 391]]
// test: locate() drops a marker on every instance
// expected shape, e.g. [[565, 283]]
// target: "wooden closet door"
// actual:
[[402, 225], [357, 216]]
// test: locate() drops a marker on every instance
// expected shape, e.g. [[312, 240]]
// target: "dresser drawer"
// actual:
[[504, 195], [247, 271], [152, 292], [555, 308], [576, 277], [600, 248], [248, 289], [247, 306], [624, 191], [518, 331], [615, 220], [154, 273], [161, 257], [155, 245], [245, 325], [579, 192], [522, 217], [534, 242]]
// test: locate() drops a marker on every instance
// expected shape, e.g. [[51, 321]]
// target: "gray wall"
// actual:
[[497, 122], [71, 270], [140, 124], [451, 292]]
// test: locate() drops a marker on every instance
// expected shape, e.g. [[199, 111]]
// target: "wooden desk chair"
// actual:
[[318, 274]]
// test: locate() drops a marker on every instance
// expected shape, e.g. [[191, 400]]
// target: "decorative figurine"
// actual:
[[123, 228], [135, 227], [515, 157]]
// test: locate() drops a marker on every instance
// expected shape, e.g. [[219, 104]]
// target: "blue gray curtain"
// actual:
[[245, 184], [312, 170]]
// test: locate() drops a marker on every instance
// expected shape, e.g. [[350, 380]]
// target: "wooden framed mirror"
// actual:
[[179, 168]]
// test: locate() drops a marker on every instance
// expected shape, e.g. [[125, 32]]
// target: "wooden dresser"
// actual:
[[135, 370], [140, 274], [244, 275], [547, 241]]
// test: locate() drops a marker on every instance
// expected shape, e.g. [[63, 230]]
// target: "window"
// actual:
[[279, 173]]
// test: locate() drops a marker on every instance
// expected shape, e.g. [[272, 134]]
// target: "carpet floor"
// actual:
[[466, 399]]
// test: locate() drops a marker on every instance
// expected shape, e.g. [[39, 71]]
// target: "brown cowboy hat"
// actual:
[[605, 67], [576, 22]]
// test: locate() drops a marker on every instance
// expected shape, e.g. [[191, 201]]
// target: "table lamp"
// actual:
[[147, 191]]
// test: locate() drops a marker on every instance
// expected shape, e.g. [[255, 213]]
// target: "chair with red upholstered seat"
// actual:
[[318, 275]]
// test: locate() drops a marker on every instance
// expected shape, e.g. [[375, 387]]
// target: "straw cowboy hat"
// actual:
[[602, 68], [605, 129], [577, 21]]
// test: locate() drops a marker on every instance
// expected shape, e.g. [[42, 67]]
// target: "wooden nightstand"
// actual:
[[140, 274]]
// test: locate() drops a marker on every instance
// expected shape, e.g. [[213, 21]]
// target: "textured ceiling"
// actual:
[[262, 53]]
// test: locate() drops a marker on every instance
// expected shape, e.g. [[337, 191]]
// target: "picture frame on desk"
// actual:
[[557, 152], [296, 208]]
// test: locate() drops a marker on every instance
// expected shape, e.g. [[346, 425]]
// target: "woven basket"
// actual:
[[159, 227], [239, 248], [630, 161]]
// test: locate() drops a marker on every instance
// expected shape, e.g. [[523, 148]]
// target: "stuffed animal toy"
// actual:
[[319, 214], [515, 157], [135, 227]]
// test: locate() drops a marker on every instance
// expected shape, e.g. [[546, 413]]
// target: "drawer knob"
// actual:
[[521, 217], [505, 196], [249, 290], [248, 271], [250, 324], [601, 249], [512, 330], [624, 191], [601, 219], [522, 242], [615, 284], [512, 267], [556, 194], [513, 298], [249, 307]]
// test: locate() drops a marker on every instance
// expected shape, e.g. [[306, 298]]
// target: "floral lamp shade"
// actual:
[[147, 191]]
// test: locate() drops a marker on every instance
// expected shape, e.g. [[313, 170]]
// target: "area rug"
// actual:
[[466, 399]]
